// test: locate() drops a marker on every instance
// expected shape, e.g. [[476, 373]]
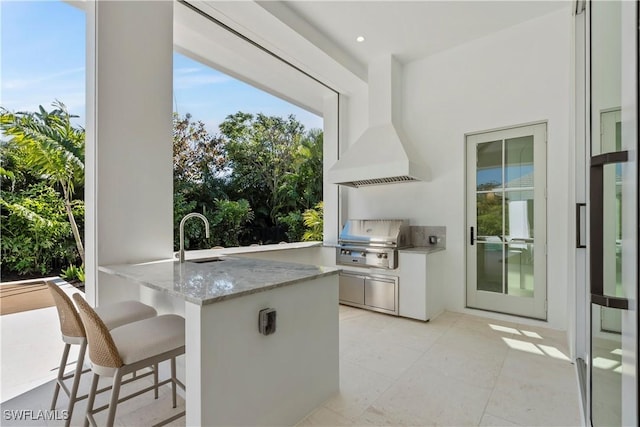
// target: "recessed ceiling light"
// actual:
[[359, 39]]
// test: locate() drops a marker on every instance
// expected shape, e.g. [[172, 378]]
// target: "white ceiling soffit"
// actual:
[[199, 38], [409, 30], [263, 27]]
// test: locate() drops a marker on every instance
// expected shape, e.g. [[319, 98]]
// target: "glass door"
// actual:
[[613, 213], [506, 215]]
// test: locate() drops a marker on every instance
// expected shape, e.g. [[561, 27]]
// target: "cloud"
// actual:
[[26, 83]]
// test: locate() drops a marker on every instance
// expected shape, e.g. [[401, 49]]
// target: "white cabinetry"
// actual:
[[419, 297]]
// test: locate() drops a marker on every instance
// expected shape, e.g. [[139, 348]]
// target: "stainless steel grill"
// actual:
[[372, 242]]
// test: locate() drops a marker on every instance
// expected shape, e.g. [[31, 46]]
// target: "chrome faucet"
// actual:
[[186, 217]]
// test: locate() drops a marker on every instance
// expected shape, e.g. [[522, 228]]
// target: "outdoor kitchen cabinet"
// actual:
[[419, 297], [371, 291]]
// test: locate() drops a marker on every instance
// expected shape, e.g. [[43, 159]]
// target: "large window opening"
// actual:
[[248, 161], [42, 139]]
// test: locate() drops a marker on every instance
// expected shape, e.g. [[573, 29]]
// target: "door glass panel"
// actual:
[[606, 370], [489, 215], [519, 162], [612, 230], [519, 259], [606, 78], [489, 165], [519, 212], [490, 266]]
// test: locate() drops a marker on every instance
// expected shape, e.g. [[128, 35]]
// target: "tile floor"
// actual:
[[457, 370]]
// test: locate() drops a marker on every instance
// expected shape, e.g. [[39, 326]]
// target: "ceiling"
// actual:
[[407, 29]]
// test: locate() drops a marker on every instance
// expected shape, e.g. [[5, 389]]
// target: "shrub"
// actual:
[[73, 274], [314, 221], [36, 235], [295, 226]]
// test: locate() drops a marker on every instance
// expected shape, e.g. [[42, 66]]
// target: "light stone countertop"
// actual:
[[422, 249], [212, 282]]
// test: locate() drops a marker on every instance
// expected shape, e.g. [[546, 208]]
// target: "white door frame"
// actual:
[[534, 307]]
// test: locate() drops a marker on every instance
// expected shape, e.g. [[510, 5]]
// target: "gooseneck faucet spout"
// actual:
[[186, 217]]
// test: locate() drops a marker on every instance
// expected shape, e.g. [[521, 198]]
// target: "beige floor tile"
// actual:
[[426, 397], [413, 334], [478, 369], [536, 390], [455, 370], [359, 388], [346, 312], [380, 357], [324, 417], [489, 420]]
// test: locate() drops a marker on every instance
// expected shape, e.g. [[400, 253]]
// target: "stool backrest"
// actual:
[[70, 323], [102, 349]]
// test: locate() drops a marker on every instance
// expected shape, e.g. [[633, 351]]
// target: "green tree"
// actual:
[[53, 149], [274, 164], [229, 220], [36, 235], [261, 152]]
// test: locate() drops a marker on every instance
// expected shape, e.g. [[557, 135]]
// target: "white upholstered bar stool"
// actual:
[[73, 333], [127, 349]]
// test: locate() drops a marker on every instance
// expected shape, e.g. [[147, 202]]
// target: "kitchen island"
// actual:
[[234, 374]]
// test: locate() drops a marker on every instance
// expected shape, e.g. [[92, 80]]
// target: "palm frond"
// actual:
[[25, 213]]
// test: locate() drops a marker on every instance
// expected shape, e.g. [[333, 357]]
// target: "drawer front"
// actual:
[[380, 294], [351, 289]]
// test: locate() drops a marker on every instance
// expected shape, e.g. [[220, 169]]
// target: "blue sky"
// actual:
[[42, 59]]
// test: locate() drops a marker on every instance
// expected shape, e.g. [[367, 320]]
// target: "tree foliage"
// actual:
[[257, 176], [51, 148], [313, 220], [36, 235], [257, 181]]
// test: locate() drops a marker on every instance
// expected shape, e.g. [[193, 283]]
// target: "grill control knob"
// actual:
[[384, 256], [379, 255]]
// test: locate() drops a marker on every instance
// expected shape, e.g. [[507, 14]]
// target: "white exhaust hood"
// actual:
[[382, 154]]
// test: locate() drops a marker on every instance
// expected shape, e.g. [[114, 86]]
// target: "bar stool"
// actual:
[[73, 333], [127, 349]]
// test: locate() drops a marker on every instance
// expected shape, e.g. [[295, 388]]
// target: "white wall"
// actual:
[[516, 76], [129, 189]]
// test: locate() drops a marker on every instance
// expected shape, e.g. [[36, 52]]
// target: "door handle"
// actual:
[[472, 236], [581, 240], [596, 224]]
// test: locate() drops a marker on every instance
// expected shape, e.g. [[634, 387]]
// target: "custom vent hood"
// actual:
[[382, 154]]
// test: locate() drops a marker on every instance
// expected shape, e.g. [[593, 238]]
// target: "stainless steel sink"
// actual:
[[205, 260]]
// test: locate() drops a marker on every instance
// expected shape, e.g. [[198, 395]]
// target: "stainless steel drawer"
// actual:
[[351, 289], [380, 294], [374, 292]]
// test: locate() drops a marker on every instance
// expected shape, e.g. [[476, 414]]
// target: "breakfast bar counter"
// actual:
[[234, 374]]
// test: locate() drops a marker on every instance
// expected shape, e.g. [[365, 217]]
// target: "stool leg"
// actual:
[[115, 393], [76, 381], [91, 399], [173, 381], [63, 365], [155, 380]]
